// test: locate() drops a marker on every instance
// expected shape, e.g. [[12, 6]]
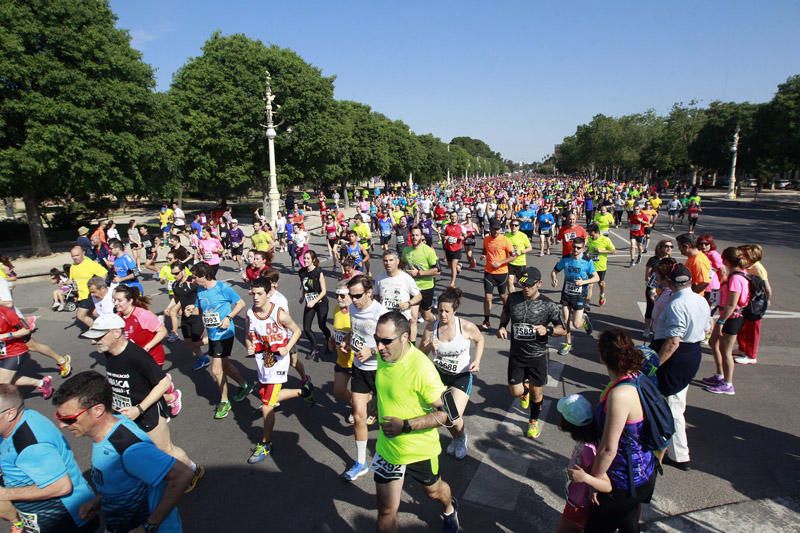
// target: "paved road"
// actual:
[[743, 447]]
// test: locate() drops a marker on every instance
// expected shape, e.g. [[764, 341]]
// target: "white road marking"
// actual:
[[642, 307]]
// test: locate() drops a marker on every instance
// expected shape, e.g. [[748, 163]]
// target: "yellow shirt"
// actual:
[[656, 203], [261, 241], [363, 232], [520, 242], [83, 272], [165, 217], [341, 327]]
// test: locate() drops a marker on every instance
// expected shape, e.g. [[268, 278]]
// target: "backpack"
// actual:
[[659, 425], [757, 305]]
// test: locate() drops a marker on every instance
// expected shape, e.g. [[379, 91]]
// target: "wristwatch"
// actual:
[[150, 527], [406, 427], [550, 330]]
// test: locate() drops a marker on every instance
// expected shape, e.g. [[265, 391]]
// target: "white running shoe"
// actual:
[[461, 447], [744, 360]]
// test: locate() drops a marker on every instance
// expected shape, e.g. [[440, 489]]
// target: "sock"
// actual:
[[729, 383], [193, 466], [361, 451], [536, 409], [486, 318], [719, 376]]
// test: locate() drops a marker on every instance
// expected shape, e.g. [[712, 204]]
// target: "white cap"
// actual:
[[102, 325], [234, 221], [575, 409]]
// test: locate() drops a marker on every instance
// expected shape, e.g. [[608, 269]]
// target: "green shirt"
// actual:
[[600, 243], [604, 222], [406, 389], [422, 258], [520, 242]]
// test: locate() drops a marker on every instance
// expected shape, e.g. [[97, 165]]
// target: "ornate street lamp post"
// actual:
[[734, 150], [272, 198]]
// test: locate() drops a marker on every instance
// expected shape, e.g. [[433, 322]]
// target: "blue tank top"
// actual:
[[355, 253], [643, 461]]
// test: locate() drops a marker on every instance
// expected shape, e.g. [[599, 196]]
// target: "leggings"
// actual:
[[321, 310]]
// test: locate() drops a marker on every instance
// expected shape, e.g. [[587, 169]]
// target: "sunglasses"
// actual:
[[357, 296], [385, 342], [703, 244], [514, 225], [667, 246], [342, 295], [71, 419]]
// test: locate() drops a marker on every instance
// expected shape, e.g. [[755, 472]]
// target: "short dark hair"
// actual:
[[685, 240], [401, 323], [261, 283], [592, 228], [202, 270], [362, 279], [89, 387], [578, 240]]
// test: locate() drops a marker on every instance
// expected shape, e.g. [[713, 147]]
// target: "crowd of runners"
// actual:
[[403, 359]]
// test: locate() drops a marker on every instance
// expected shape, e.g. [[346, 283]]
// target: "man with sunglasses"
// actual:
[[409, 392], [43, 489], [364, 314], [532, 318], [139, 485], [521, 245], [578, 274]]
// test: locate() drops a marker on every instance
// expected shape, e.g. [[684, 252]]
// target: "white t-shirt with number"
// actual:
[[362, 333], [392, 290]]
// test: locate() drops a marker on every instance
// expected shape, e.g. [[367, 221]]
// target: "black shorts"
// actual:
[[236, 249], [529, 233], [495, 281], [534, 369], [637, 238], [462, 381], [673, 212], [575, 302], [221, 348], [427, 299], [281, 235], [732, 326], [192, 328], [363, 381], [15, 363], [618, 509], [87, 304], [450, 256], [516, 270], [148, 421], [425, 472], [601, 274], [386, 239], [545, 232], [342, 370]]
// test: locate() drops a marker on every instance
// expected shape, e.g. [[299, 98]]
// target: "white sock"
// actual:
[[719, 376], [361, 451]]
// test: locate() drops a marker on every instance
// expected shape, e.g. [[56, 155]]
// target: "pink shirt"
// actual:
[[736, 283], [716, 265], [208, 250], [583, 455]]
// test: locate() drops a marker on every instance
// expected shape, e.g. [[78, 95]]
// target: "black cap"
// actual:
[[495, 224], [680, 275], [529, 276]]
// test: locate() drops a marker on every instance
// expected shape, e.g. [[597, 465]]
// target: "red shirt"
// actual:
[[454, 240], [252, 273], [140, 328], [439, 212], [9, 323], [567, 235], [637, 222]]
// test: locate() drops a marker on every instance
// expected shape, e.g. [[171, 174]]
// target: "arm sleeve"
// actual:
[[413, 290], [146, 462], [42, 463], [675, 323]]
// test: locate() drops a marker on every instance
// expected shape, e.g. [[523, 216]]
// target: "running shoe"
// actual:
[[461, 447], [450, 521], [351, 419], [744, 360], [587, 325], [260, 452], [46, 388], [201, 362], [175, 405], [631, 265], [173, 337], [243, 391], [525, 400], [485, 325], [722, 388], [199, 472], [55, 305], [355, 472], [534, 430], [602, 300], [307, 392], [222, 410], [565, 349], [451, 448], [65, 368], [712, 381], [17, 527]]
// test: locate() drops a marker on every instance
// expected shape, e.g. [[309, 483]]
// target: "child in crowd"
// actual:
[[60, 280]]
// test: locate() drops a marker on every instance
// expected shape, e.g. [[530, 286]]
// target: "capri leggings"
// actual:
[[321, 310]]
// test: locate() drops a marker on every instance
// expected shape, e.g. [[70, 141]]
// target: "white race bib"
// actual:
[[119, 402], [208, 255], [169, 286], [390, 303], [211, 320], [447, 364], [572, 289], [387, 470], [452, 240], [524, 332], [2, 349], [357, 342], [309, 296], [30, 522]]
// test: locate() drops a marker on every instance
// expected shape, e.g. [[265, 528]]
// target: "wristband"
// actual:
[[550, 330], [139, 407], [406, 427], [720, 321]]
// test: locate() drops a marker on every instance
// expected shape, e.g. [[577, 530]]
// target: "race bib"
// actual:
[[570, 236], [119, 402], [30, 522], [447, 364], [169, 285], [390, 303], [652, 282], [594, 256], [452, 240], [208, 255], [331, 235], [713, 297], [211, 320], [147, 244], [572, 289], [524, 332], [636, 227], [387, 470], [357, 342], [338, 336], [309, 296]]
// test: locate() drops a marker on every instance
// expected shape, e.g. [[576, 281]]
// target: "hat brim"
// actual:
[[93, 334]]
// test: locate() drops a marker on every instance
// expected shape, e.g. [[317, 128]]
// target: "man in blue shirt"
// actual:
[[40, 476], [139, 485], [217, 303], [545, 221], [527, 217], [579, 273], [125, 270]]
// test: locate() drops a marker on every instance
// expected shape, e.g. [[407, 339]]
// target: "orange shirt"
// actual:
[[700, 267], [496, 249]]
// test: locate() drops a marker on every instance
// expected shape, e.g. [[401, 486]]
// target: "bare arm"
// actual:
[[30, 493], [178, 479], [427, 339]]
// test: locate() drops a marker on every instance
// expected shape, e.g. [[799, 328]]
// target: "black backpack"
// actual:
[[756, 307]]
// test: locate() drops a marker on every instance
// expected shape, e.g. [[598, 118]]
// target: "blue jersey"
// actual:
[[574, 269], [530, 214], [356, 253], [36, 453], [129, 472], [289, 231], [546, 221], [385, 226], [215, 304], [124, 266]]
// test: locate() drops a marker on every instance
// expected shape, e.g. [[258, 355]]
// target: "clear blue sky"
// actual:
[[518, 74]]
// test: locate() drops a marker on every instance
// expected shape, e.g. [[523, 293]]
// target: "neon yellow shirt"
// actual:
[[600, 260], [422, 258], [519, 242], [604, 222], [81, 274], [341, 327], [261, 241], [406, 389], [363, 232]]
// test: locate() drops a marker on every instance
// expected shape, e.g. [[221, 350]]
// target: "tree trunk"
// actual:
[[694, 176], [180, 196], [39, 244], [344, 193]]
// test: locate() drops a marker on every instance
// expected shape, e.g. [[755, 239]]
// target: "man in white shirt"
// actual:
[[396, 289]]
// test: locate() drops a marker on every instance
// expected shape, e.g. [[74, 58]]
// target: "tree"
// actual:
[[75, 103]]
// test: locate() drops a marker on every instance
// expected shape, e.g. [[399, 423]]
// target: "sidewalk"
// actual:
[[754, 516]]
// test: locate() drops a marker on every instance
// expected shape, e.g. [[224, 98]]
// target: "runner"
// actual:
[[651, 213], [569, 232], [651, 290], [545, 222], [218, 304], [343, 368], [125, 271], [521, 246], [470, 231], [236, 238], [165, 218], [497, 253], [598, 248], [357, 251], [184, 294], [453, 245], [422, 264], [533, 318], [638, 222], [604, 220], [210, 249], [138, 484], [329, 228], [314, 296], [364, 314], [396, 289], [14, 353], [81, 270], [673, 208], [450, 340], [269, 339], [409, 391], [578, 273]]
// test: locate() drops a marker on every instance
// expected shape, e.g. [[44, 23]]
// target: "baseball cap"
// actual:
[[103, 325], [575, 409], [234, 221], [495, 224], [529, 276], [680, 275]]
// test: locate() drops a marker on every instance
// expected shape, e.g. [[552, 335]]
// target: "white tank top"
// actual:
[[269, 336], [451, 357]]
